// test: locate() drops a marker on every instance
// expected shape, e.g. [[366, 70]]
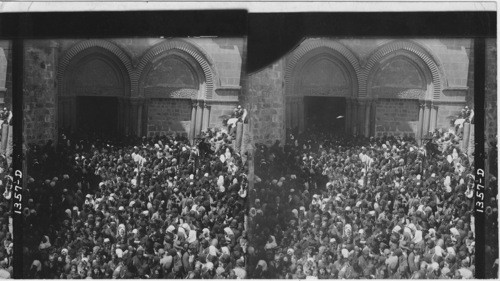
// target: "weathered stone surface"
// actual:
[[6, 46], [397, 82], [491, 126], [42, 63], [447, 114], [40, 88], [396, 117], [169, 117], [218, 111], [266, 98]]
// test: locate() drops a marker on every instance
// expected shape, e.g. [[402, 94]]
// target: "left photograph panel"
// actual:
[[6, 201], [136, 162]]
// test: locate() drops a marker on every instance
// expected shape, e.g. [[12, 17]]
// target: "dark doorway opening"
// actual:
[[97, 116], [325, 114]]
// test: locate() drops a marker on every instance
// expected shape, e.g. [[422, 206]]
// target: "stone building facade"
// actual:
[[144, 86], [383, 87], [491, 107], [5, 73]]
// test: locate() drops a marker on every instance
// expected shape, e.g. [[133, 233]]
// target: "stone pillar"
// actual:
[[126, 116], [420, 127], [206, 116], [120, 116], [199, 116], [373, 116], [367, 117], [301, 113], [348, 115], [433, 116], [466, 136], [192, 130], [9, 148], [145, 117], [140, 107], [73, 112], [295, 113], [425, 125], [5, 134], [134, 109], [288, 114], [354, 117], [239, 136], [361, 117]]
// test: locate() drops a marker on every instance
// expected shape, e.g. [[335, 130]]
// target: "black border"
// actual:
[[17, 157], [269, 35], [227, 23], [272, 35], [479, 153]]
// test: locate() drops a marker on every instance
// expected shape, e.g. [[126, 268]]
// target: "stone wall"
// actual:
[[266, 98], [491, 125], [217, 110], [453, 56], [447, 113], [169, 117], [396, 117], [227, 56], [40, 89], [6, 73], [41, 64]]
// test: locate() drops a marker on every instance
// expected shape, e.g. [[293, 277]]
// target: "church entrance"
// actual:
[[97, 116], [325, 114]]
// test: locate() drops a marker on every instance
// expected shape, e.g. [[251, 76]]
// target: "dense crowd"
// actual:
[[333, 207], [6, 231], [154, 207]]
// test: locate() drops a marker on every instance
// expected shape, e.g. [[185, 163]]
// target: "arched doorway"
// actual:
[[95, 87], [176, 83], [317, 98]]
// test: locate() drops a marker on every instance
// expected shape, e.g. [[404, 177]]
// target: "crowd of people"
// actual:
[[155, 207], [6, 231], [326, 206]]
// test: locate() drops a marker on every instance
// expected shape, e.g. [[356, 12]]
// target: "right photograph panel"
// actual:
[[364, 161]]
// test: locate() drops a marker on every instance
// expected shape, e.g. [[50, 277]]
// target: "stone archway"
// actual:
[[176, 81], [94, 86], [319, 68], [404, 82]]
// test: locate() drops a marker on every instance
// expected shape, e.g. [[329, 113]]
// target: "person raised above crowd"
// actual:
[[333, 207], [154, 207]]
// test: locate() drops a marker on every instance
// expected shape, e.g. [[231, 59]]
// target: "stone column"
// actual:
[[239, 136], [465, 138], [126, 116], [5, 133], [301, 113], [433, 116], [206, 116], [73, 112], [134, 110], [199, 116], [288, 114], [420, 127], [192, 130], [120, 116], [348, 115], [354, 116], [373, 116], [367, 117], [425, 126], [140, 107], [295, 113], [145, 117], [361, 117]]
